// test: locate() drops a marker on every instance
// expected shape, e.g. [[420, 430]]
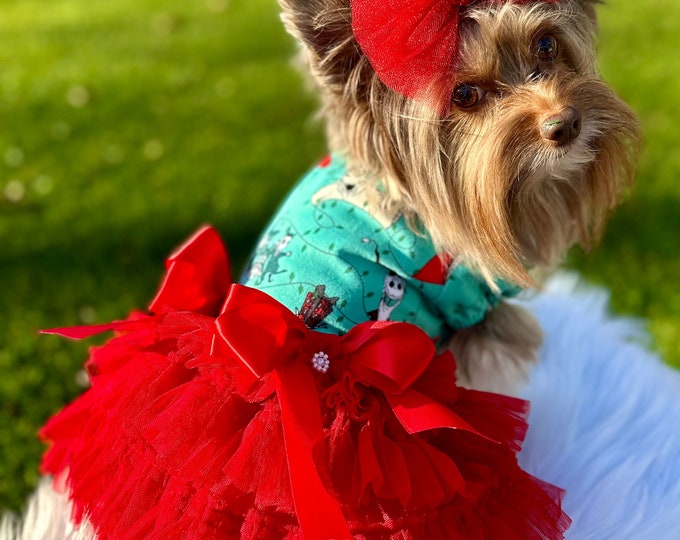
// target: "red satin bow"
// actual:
[[413, 44], [386, 356]]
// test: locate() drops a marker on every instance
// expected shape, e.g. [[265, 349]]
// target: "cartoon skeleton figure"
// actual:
[[393, 293]]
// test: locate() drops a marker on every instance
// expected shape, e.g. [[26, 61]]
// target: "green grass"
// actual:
[[639, 260], [126, 125]]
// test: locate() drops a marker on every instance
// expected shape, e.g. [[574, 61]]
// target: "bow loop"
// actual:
[[258, 330], [197, 276], [196, 280], [389, 356]]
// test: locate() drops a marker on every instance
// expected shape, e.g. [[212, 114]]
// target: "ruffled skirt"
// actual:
[[222, 416]]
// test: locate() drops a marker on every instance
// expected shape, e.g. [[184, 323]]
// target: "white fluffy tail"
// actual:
[[47, 518]]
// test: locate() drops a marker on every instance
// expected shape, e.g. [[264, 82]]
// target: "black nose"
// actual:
[[563, 127]]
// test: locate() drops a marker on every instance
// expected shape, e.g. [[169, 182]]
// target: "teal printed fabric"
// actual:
[[336, 259]]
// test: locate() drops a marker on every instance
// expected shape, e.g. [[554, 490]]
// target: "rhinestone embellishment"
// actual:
[[320, 362]]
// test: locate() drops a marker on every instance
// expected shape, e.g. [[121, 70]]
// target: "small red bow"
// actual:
[[413, 44]]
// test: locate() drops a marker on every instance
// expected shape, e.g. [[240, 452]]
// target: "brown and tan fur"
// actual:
[[484, 182]]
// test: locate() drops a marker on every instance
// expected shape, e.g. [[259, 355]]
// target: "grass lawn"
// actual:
[[126, 125]]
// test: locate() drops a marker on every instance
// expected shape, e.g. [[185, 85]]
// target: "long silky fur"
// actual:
[[482, 182]]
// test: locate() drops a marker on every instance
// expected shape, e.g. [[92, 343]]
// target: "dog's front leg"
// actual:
[[496, 354]]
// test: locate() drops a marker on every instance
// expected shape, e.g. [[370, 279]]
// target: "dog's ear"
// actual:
[[320, 25], [588, 6], [324, 28]]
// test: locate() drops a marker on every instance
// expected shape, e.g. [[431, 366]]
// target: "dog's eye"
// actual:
[[467, 95], [547, 48]]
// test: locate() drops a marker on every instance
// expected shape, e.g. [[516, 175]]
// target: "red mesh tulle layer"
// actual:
[[176, 439], [413, 45]]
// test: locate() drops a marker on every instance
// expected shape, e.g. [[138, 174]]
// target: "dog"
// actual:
[[472, 144], [518, 151]]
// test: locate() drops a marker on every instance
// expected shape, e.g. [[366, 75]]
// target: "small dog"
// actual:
[[507, 154], [483, 129]]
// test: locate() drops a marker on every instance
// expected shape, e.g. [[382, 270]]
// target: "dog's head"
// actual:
[[508, 149]]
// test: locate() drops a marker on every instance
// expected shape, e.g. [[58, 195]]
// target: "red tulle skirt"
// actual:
[[209, 423]]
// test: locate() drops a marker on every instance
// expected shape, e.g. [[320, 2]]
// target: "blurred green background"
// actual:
[[127, 124]]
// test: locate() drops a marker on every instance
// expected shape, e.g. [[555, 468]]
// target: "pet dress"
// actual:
[[307, 402]]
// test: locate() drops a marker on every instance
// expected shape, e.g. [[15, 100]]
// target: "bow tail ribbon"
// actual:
[[417, 412], [86, 331], [318, 511]]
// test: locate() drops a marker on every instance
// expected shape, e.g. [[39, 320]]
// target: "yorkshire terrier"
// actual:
[[507, 154], [480, 129]]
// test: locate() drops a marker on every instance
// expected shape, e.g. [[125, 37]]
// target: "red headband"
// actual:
[[413, 44]]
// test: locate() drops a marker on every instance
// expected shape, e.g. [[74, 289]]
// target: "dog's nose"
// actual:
[[563, 127]]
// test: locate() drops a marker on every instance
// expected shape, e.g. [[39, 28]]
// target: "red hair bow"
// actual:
[[413, 44]]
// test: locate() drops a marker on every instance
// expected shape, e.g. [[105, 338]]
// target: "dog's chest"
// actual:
[[334, 258]]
